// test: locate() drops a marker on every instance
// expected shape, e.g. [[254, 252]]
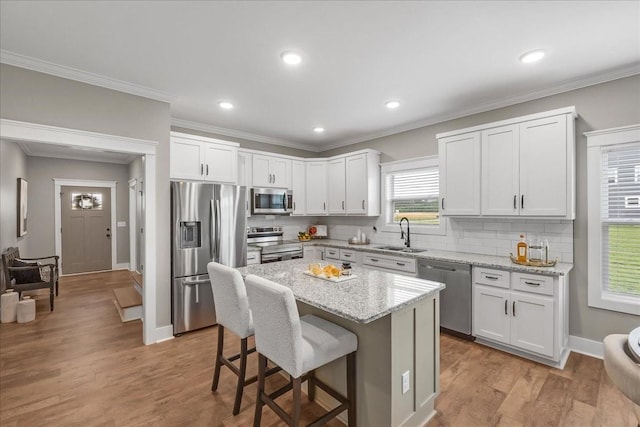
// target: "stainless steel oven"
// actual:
[[271, 201], [272, 246]]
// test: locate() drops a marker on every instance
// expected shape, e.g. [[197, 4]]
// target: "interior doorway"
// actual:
[[86, 229]]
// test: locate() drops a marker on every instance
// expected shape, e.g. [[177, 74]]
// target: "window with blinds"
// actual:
[[414, 194], [620, 216]]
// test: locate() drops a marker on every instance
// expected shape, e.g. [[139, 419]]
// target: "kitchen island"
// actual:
[[396, 319]]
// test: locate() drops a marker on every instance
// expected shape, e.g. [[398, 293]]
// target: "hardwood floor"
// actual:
[[81, 366]]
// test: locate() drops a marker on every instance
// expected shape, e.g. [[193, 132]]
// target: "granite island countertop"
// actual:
[[369, 296], [478, 260]]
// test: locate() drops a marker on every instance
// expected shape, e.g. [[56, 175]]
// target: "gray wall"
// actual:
[[41, 98], [13, 165], [251, 145], [40, 174], [602, 106]]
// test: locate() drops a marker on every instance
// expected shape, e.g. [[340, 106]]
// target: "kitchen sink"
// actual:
[[400, 249]]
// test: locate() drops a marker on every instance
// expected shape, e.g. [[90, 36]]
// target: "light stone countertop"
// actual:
[[478, 260], [369, 296]]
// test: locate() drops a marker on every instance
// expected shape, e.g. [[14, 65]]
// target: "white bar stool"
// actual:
[[233, 313], [622, 369], [298, 345]]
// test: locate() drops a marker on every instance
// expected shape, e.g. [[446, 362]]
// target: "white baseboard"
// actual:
[[164, 333], [586, 346], [122, 266]]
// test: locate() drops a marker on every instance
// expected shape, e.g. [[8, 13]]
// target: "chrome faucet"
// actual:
[[406, 236]]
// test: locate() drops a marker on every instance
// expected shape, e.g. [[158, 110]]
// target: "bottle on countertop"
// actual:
[[521, 249]]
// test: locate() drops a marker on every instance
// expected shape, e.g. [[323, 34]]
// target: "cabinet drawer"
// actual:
[[490, 277], [532, 283], [253, 257], [332, 253], [348, 255], [405, 265]]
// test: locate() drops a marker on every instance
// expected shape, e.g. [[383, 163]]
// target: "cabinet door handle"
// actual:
[[531, 283], [201, 169], [401, 264], [324, 206], [207, 170], [491, 277], [522, 202], [513, 309], [247, 205], [343, 205], [274, 178], [442, 203], [294, 206], [505, 308], [373, 259], [347, 255], [363, 204], [515, 200]]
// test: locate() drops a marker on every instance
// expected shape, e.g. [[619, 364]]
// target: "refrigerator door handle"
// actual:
[[218, 229], [212, 231]]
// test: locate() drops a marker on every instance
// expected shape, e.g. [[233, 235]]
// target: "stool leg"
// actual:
[[351, 389], [241, 376], [262, 365], [297, 401], [216, 371], [311, 386]]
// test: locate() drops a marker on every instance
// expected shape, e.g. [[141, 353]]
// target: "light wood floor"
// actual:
[[81, 366]]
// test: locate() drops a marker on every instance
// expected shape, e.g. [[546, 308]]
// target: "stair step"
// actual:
[[127, 297]]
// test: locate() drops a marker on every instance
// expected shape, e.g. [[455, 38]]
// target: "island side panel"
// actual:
[[373, 369], [415, 349]]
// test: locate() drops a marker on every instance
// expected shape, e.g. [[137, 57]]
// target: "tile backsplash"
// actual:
[[470, 235]]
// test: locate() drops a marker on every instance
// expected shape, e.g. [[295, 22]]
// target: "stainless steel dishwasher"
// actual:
[[455, 299]]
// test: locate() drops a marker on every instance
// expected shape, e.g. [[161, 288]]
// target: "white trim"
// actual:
[[63, 71], [133, 225], [586, 346], [186, 124], [596, 296], [404, 165], [122, 266], [164, 333], [23, 131], [64, 182]]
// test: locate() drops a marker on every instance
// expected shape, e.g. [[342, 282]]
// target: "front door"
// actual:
[[86, 229]]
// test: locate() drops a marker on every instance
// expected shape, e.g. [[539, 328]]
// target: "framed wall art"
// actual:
[[23, 187]]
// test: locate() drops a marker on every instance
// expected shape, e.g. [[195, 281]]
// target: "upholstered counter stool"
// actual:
[[298, 345], [233, 313], [623, 370]]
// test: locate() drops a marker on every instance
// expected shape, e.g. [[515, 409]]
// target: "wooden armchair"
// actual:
[[27, 274]]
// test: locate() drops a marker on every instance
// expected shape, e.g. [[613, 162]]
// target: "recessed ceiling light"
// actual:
[[291, 58], [533, 56], [318, 129], [392, 105], [225, 105]]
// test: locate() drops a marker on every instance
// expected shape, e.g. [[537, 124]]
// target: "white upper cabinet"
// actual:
[[316, 186], [337, 186], [298, 186], [244, 176], [459, 157], [363, 184], [526, 165], [501, 171], [271, 171], [203, 159]]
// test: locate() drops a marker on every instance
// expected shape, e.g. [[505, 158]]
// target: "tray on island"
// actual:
[[332, 278], [530, 263]]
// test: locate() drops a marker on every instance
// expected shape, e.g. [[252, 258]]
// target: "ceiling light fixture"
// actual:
[[318, 129], [533, 56], [225, 105], [291, 58], [392, 105]]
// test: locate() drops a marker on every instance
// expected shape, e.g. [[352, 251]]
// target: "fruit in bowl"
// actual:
[[303, 236]]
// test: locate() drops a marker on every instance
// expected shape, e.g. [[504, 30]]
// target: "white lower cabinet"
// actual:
[[524, 312], [313, 253]]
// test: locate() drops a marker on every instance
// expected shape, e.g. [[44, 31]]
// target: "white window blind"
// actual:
[[414, 194], [620, 219]]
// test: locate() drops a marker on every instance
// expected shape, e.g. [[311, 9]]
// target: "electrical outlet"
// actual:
[[405, 382]]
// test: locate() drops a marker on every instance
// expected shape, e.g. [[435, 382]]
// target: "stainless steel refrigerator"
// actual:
[[208, 223]]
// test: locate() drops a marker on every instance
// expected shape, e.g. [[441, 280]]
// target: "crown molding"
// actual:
[[243, 135], [566, 86], [70, 73]]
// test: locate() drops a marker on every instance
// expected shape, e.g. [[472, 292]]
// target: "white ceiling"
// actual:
[[439, 59]]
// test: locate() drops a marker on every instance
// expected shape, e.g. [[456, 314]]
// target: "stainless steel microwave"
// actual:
[[271, 201]]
